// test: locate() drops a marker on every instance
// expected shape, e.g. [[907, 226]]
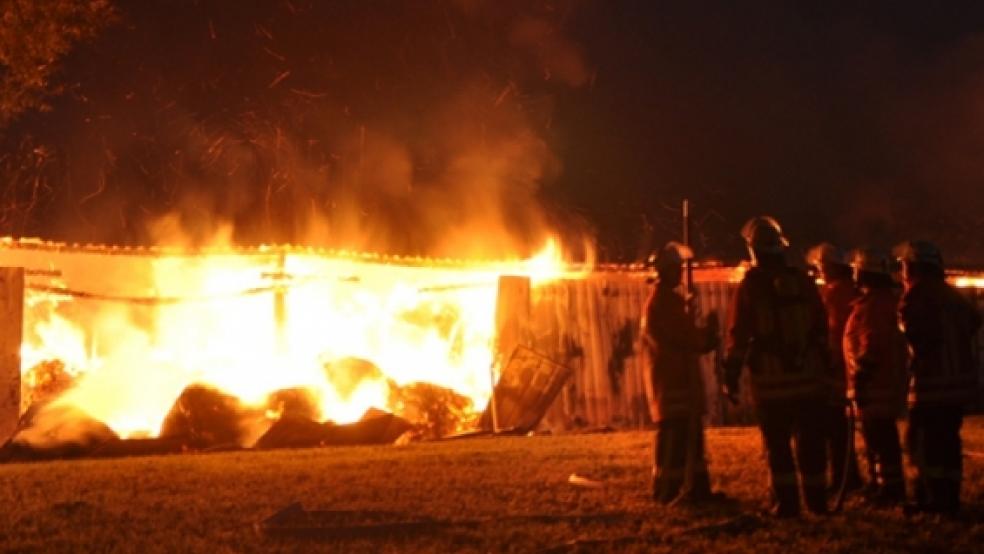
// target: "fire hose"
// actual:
[[852, 416]]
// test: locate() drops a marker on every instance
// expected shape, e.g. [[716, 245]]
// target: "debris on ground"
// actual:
[[584, 482], [528, 386]]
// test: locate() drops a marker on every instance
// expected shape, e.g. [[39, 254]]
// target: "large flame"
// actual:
[[252, 325]]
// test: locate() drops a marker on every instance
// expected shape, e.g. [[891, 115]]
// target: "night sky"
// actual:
[[440, 127]]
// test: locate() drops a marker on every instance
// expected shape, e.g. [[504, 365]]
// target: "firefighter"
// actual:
[[675, 342], [939, 327], [779, 327], [838, 292], [874, 349]]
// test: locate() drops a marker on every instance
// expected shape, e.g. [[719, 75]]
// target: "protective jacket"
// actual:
[[874, 350], [838, 297], [779, 326], [940, 326], [675, 343]]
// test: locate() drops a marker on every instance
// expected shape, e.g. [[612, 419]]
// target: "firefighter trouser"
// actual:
[[674, 437], [884, 453], [840, 445], [933, 438], [781, 421]]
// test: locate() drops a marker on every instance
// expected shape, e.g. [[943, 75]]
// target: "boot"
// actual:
[[701, 493], [665, 490], [888, 496], [816, 499], [870, 490], [949, 501], [787, 502]]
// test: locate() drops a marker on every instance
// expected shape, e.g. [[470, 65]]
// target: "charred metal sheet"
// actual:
[[529, 384]]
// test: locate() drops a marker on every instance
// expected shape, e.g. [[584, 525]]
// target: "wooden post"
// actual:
[[512, 316], [11, 334]]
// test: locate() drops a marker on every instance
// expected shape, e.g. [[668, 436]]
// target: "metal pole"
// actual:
[[693, 421], [688, 264]]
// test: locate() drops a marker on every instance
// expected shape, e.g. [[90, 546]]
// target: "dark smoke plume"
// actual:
[[406, 126]]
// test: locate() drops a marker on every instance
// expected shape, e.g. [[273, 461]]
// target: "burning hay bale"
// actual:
[[205, 417], [56, 431], [293, 431], [375, 427], [436, 411], [297, 402], [44, 382]]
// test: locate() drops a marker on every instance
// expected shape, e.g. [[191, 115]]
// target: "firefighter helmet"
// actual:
[[763, 234], [826, 253], [919, 251], [673, 254], [872, 260]]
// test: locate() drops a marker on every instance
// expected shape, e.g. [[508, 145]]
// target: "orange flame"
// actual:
[[969, 282], [250, 326]]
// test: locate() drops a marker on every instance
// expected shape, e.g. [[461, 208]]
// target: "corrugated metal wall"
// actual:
[[592, 325]]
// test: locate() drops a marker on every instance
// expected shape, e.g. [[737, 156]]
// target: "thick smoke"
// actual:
[[406, 127]]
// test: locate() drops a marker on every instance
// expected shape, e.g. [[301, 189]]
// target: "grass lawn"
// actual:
[[485, 494]]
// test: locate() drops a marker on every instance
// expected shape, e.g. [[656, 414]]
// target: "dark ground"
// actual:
[[483, 494]]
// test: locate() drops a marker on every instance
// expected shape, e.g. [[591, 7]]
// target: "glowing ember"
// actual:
[[351, 330]]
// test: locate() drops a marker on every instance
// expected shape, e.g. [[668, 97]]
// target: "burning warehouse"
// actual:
[[133, 338], [300, 227], [119, 334]]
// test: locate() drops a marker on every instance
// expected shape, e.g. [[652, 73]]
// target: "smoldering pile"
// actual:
[[205, 419]]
